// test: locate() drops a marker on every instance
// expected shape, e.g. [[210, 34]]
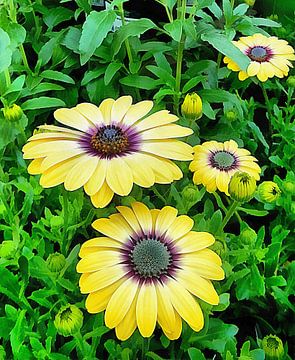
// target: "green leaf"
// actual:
[[257, 132], [253, 212], [241, 9], [57, 15], [5, 51], [17, 34], [16, 85], [277, 160], [57, 75], [220, 96], [174, 29], [94, 31], [44, 87], [192, 83], [154, 356], [111, 71], [194, 354], [224, 302], [72, 38], [92, 75], [10, 130], [276, 281], [264, 22], [17, 334], [141, 82], [221, 43], [165, 76], [134, 28], [251, 285], [41, 103]]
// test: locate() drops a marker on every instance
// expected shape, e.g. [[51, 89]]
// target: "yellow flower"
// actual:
[[215, 163], [12, 113], [69, 320], [269, 191], [273, 347], [269, 57], [147, 268], [192, 106], [242, 187], [112, 147]]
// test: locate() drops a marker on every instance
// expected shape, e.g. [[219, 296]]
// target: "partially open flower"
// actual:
[[68, 320], [192, 106], [269, 57], [269, 191], [242, 187], [273, 347], [12, 113]]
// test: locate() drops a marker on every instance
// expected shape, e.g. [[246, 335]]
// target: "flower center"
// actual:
[[223, 160], [150, 258], [110, 140], [258, 53]]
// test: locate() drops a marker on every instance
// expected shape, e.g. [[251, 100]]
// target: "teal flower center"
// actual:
[[258, 53], [150, 258], [223, 160]]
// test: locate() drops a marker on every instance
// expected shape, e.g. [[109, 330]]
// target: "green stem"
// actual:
[[79, 342], [268, 108], [7, 78], [236, 212], [157, 193], [126, 42], [145, 347], [64, 245], [229, 214], [24, 58]]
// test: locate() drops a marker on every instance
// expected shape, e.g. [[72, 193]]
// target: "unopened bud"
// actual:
[[68, 320], [289, 186], [269, 191], [12, 113], [250, 2], [273, 347], [190, 193], [231, 115], [242, 187], [291, 81], [191, 107], [56, 262], [248, 236]]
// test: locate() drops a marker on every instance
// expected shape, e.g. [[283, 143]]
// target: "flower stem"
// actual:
[[126, 42], [65, 215], [268, 107], [145, 347], [229, 214], [7, 78]]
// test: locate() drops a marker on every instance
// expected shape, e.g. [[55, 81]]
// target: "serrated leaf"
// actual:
[[94, 31], [251, 285]]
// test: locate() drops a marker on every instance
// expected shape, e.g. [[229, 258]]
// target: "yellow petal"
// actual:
[[98, 260], [106, 107], [159, 118], [72, 118], [165, 218], [130, 217], [171, 149], [186, 306], [35, 166], [154, 213], [127, 326], [97, 301], [110, 229], [194, 241], [175, 334], [198, 286], [97, 178], [49, 147], [120, 221], [103, 197], [55, 158], [222, 181], [120, 108], [81, 172], [60, 129], [243, 75], [143, 216], [146, 309], [253, 68], [143, 174], [54, 135], [120, 302], [99, 243], [119, 176], [166, 317], [166, 132], [180, 226], [137, 111], [91, 112], [97, 280]]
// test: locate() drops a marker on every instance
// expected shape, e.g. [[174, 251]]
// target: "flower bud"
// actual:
[[291, 81], [269, 191], [8, 249], [248, 236], [191, 107], [55, 262], [249, 2], [68, 320], [273, 17], [231, 115], [289, 186], [190, 193], [242, 187], [273, 347], [12, 113]]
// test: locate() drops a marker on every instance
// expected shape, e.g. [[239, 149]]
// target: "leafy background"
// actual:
[[58, 53]]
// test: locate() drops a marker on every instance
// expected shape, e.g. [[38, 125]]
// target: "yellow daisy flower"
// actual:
[[146, 269], [215, 163], [109, 148], [269, 57]]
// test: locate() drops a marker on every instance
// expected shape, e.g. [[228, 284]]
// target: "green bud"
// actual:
[[250, 2], [248, 236], [231, 115], [12, 113], [8, 249], [242, 187], [269, 191], [191, 107], [56, 262], [218, 248], [273, 17], [289, 187], [291, 81], [190, 193], [273, 347], [68, 320]]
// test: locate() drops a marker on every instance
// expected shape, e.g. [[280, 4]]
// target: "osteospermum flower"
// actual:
[[269, 57], [112, 147], [215, 163], [147, 268]]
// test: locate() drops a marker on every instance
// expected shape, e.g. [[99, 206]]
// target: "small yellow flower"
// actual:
[[269, 57], [68, 320], [269, 191], [147, 267], [56, 262], [192, 106], [12, 113], [215, 163], [273, 347], [242, 187]]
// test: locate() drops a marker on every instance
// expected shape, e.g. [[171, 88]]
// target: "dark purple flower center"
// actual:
[[110, 140], [259, 53], [223, 160]]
